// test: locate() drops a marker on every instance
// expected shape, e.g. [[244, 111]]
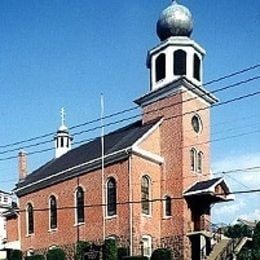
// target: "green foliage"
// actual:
[[110, 250], [80, 248], [256, 242], [238, 231], [122, 252], [15, 255], [35, 257], [135, 258], [56, 254], [161, 254]]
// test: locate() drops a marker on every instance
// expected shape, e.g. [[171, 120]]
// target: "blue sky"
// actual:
[[61, 53]]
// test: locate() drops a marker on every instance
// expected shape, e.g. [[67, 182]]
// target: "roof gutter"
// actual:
[[125, 150]]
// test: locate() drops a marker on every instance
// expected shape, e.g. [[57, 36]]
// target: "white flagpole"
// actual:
[[103, 165]]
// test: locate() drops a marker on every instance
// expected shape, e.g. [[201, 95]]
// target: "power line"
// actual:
[[135, 116], [239, 72], [168, 118], [238, 192]]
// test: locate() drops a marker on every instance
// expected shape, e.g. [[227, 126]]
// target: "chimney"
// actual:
[[22, 165]]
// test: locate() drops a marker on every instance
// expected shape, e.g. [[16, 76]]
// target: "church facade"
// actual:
[[149, 185]]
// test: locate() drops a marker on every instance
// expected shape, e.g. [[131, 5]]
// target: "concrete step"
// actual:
[[218, 249]]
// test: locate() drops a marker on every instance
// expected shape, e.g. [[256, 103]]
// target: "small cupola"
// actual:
[[62, 139], [177, 55]]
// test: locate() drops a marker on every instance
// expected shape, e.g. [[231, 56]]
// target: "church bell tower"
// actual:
[[177, 55]]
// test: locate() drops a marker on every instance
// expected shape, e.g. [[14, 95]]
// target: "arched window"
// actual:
[[111, 197], [168, 206], [145, 190], [80, 205], [30, 219], [193, 159], [160, 67], [196, 67], [180, 60], [53, 212], [200, 157]]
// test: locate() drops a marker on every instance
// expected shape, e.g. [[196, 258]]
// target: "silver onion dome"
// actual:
[[175, 20]]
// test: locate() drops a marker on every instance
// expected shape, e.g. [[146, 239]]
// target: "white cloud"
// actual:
[[245, 205], [245, 179], [252, 216]]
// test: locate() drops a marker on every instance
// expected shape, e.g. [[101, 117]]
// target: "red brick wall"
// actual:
[[67, 232], [12, 229], [142, 224], [176, 140]]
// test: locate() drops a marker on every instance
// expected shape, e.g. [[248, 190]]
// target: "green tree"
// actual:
[[256, 242], [238, 231]]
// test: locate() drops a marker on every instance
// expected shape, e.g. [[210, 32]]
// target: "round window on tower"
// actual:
[[196, 123]]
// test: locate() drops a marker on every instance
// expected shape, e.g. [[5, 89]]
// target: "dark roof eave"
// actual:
[[70, 174], [215, 198]]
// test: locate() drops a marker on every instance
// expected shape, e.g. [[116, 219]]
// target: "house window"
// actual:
[[146, 245], [160, 67], [30, 219], [193, 159], [111, 197], [145, 190], [53, 212], [180, 58], [200, 156], [196, 67], [168, 206], [80, 218]]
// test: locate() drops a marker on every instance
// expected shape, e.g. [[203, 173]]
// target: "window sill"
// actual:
[[53, 230], [147, 215], [167, 217], [111, 217], [29, 235], [79, 224]]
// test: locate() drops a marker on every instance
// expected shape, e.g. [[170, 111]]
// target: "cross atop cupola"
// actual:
[[62, 138]]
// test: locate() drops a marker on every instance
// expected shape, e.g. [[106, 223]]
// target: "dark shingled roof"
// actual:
[[202, 185], [114, 142]]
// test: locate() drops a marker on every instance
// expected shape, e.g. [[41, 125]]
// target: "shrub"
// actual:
[[110, 250], [56, 254], [80, 248], [35, 257], [122, 252], [161, 254], [14, 255]]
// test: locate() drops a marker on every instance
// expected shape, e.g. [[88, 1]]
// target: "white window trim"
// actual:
[[149, 197], [164, 207], [149, 240], [52, 229], [106, 198], [27, 220], [75, 203]]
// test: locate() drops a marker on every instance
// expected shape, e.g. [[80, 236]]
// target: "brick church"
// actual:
[[150, 186]]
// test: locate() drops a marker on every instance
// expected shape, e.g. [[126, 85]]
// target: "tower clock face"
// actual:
[[196, 123]]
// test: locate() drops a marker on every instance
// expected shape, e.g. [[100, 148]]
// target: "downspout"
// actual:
[[130, 205]]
